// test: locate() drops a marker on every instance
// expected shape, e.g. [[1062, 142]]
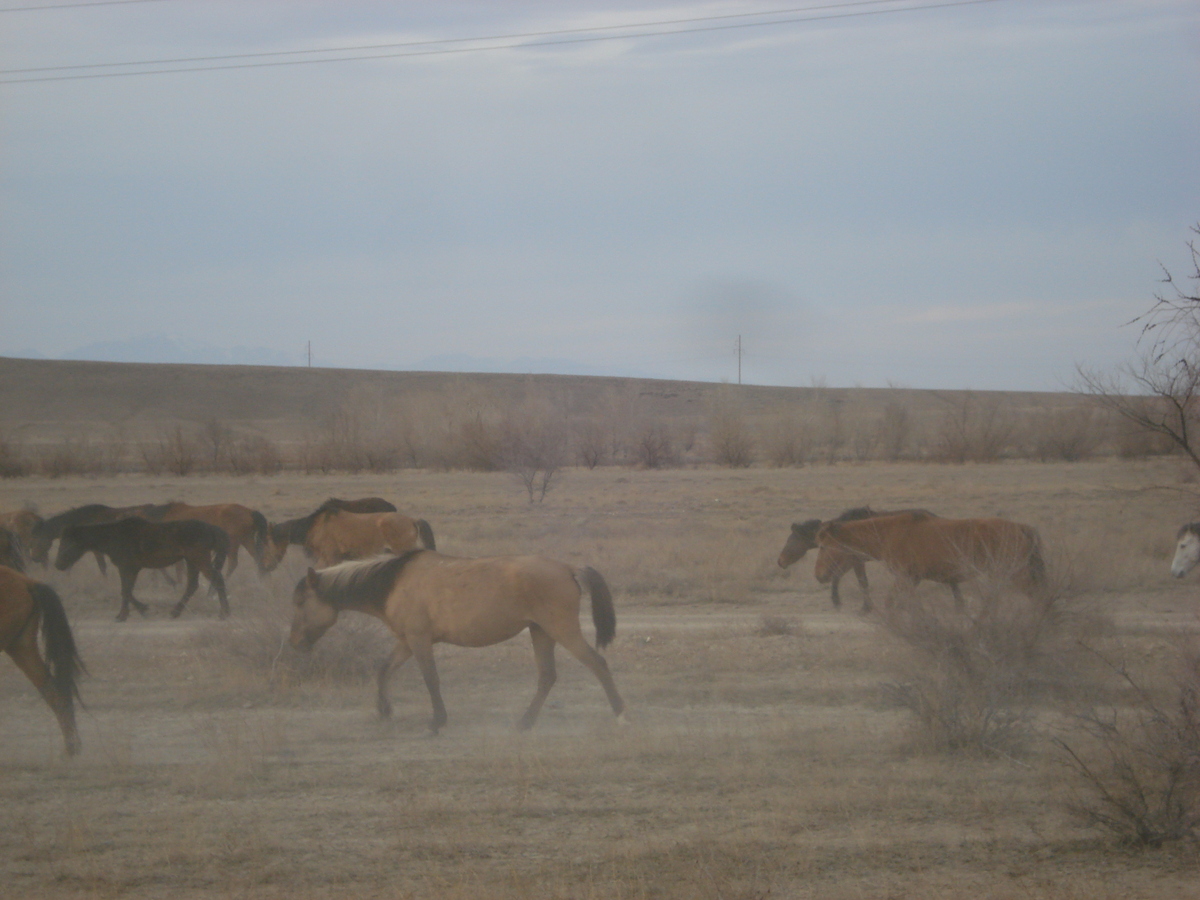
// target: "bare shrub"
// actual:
[[1140, 768], [173, 451], [349, 653], [787, 443], [1068, 435], [968, 679], [533, 447], [254, 453], [1135, 441], [894, 431], [973, 429], [12, 459], [215, 439], [591, 444], [72, 456], [654, 448], [732, 443]]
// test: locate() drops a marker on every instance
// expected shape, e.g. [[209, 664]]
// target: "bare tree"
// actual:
[[1159, 390]]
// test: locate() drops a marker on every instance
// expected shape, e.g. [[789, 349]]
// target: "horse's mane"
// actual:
[[361, 582], [1193, 527], [55, 524]]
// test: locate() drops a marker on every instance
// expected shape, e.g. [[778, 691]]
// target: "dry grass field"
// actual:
[[766, 754]]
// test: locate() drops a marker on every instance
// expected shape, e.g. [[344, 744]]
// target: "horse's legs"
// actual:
[[232, 561], [25, 655], [834, 597], [578, 647], [860, 572], [193, 581], [398, 658], [100, 562], [423, 651], [129, 576], [217, 580], [543, 655]]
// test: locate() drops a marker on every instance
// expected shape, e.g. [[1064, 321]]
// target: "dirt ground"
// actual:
[[763, 757]]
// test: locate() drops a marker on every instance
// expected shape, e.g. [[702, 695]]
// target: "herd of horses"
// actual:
[[369, 558]]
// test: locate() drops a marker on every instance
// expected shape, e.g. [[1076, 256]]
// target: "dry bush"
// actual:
[[894, 431], [72, 456], [729, 435], [592, 444], [1068, 435], [13, 463], [973, 429], [533, 446], [1132, 441], [654, 447], [253, 453], [970, 679], [1139, 766], [350, 653], [173, 451], [787, 443]]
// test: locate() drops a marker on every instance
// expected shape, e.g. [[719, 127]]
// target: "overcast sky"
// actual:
[[973, 196]]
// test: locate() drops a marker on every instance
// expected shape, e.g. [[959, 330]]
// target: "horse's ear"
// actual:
[[311, 578], [797, 527]]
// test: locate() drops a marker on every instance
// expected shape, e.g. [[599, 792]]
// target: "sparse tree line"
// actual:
[[537, 438]]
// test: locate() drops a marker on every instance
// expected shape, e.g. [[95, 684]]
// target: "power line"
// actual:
[[444, 50]]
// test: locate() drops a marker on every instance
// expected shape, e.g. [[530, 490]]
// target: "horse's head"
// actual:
[[801, 539], [1187, 549], [70, 548], [274, 548], [312, 616]]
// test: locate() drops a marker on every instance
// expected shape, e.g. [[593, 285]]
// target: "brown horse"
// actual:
[[917, 546], [295, 531], [338, 536], [45, 532], [246, 527], [134, 544], [24, 604], [838, 561], [427, 598]]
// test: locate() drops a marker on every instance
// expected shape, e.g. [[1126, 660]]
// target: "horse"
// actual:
[[295, 531], [24, 604], [46, 531], [427, 598], [803, 537], [246, 527], [918, 545], [338, 536], [1187, 549], [134, 544]]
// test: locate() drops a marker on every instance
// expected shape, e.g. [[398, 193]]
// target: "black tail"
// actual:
[[261, 529], [62, 656], [426, 534], [604, 615]]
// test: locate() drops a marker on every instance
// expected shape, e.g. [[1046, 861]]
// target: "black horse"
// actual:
[[134, 544], [45, 532]]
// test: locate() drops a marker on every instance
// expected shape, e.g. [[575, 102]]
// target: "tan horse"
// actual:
[[339, 536], [24, 604], [918, 546], [246, 527], [295, 531], [427, 598]]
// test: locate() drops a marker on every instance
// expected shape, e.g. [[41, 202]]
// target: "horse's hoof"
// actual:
[[622, 722], [122, 616], [384, 708], [223, 614], [175, 612]]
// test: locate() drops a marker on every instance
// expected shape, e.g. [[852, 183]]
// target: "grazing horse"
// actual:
[[838, 562], [295, 531], [134, 544], [46, 531], [24, 604], [246, 527], [1187, 549], [428, 598], [918, 546]]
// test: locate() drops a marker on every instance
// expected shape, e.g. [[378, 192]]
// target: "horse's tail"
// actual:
[[261, 528], [220, 548], [62, 656], [425, 533], [604, 615]]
